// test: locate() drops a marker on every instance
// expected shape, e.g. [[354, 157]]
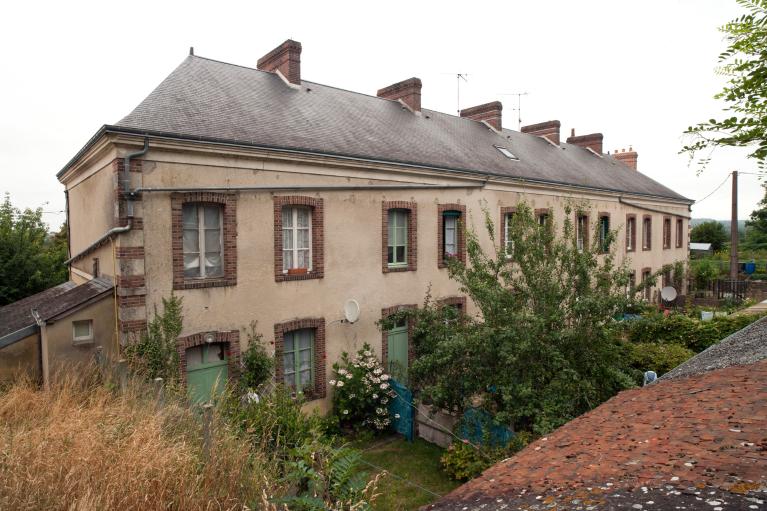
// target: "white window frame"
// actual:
[[201, 248], [405, 215], [581, 227], [631, 225], [452, 218], [82, 339], [294, 234], [646, 233], [507, 219]]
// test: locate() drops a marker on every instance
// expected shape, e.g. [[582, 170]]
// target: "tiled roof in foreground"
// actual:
[[207, 100], [697, 442]]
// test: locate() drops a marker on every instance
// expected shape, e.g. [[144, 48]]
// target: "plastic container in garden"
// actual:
[[706, 315]]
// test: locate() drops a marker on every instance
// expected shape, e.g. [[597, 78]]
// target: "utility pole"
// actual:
[[734, 228]]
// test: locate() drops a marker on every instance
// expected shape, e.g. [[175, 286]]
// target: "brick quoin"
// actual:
[[129, 281], [132, 325], [129, 252], [441, 208], [412, 235], [131, 301], [228, 201], [231, 338], [319, 389], [318, 236], [385, 313]]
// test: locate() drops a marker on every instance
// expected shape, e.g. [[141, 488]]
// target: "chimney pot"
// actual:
[[572, 132], [488, 112], [409, 91], [548, 130], [286, 58], [593, 141], [628, 158]]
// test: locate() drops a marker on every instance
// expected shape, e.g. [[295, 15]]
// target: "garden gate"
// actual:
[[402, 410]]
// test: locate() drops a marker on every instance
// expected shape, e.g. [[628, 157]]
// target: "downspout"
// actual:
[[126, 179], [128, 205], [69, 243]]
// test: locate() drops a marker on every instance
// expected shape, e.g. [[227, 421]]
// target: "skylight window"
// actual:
[[508, 154]]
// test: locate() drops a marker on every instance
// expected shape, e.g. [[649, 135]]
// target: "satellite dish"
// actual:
[[668, 294], [351, 311]]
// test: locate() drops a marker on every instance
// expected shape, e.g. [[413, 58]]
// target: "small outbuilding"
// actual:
[[64, 325]]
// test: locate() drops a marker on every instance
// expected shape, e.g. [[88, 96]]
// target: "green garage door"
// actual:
[[206, 371]]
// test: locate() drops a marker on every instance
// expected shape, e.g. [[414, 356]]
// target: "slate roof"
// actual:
[[50, 304], [743, 347], [208, 100]]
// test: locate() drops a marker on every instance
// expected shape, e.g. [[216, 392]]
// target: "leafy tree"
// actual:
[[546, 347], [745, 63], [756, 227], [257, 364], [31, 259], [710, 232]]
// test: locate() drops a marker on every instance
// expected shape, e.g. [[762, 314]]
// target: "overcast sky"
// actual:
[[638, 72]]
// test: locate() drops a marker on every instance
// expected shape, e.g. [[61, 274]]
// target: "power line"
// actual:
[[715, 189]]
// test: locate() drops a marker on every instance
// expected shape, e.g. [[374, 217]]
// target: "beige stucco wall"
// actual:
[[62, 351], [21, 358], [352, 226]]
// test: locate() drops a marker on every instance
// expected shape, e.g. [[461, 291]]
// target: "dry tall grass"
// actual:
[[82, 445]]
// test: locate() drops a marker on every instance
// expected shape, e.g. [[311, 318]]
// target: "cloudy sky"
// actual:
[[639, 72]]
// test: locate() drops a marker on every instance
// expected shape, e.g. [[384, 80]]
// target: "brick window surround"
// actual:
[[318, 325], [412, 235], [631, 237], [230, 338], [459, 301], [318, 236], [600, 216], [679, 233], [539, 212], [666, 232], [385, 313], [585, 234], [228, 202], [441, 209], [647, 234], [505, 210]]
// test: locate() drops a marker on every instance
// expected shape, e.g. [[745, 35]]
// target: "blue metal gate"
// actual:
[[402, 410]]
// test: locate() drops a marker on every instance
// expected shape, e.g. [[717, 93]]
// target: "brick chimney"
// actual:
[[592, 141], [548, 130], [409, 91], [489, 112], [286, 58], [628, 158]]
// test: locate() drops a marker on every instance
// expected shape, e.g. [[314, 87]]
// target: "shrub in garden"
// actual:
[[257, 364], [362, 391], [154, 354], [463, 461], [661, 358]]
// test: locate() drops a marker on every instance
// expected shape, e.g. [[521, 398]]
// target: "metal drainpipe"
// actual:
[[126, 179]]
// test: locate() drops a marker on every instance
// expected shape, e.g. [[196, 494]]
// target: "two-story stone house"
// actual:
[[257, 195]]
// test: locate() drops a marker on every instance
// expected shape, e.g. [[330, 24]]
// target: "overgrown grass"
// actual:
[[417, 462], [82, 445]]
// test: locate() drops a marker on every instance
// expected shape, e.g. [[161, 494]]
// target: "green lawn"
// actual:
[[417, 462]]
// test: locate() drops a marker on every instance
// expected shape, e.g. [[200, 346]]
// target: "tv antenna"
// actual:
[[519, 106], [458, 78]]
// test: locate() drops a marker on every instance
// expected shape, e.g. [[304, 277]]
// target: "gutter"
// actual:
[[250, 145], [107, 235], [330, 188], [654, 210], [14, 337]]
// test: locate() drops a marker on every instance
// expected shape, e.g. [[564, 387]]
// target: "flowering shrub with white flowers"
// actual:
[[362, 391]]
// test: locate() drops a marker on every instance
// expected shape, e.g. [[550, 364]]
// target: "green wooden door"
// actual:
[[397, 358], [206, 371]]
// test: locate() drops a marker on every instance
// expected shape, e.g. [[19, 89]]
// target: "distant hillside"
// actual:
[[725, 223]]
